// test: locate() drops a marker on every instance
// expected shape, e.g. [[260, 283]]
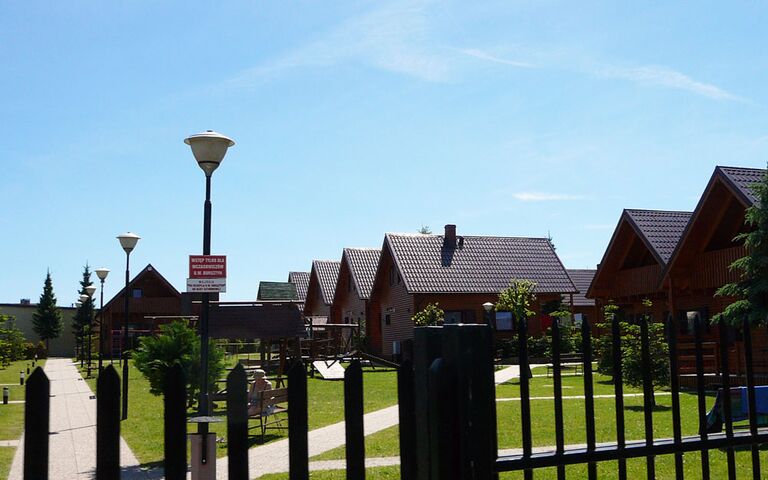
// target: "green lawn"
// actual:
[[144, 428], [12, 415]]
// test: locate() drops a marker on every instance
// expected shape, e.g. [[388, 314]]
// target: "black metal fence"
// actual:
[[447, 415]]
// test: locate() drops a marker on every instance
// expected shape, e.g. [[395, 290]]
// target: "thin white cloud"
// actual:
[[482, 55], [394, 38], [661, 76], [544, 197]]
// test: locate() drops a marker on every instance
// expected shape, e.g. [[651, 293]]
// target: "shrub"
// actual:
[[177, 343], [11, 341], [432, 314]]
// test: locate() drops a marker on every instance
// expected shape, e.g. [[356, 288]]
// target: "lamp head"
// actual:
[[102, 273], [128, 241], [90, 290], [209, 149], [487, 306], [83, 298]]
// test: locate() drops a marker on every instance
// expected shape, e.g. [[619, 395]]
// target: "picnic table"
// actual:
[[739, 407]]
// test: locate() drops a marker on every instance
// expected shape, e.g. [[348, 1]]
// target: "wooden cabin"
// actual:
[[700, 264], [354, 285], [459, 273], [638, 252], [321, 289], [150, 295], [301, 280], [581, 307]]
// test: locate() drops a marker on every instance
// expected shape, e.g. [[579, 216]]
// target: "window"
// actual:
[[504, 321], [387, 319], [136, 293]]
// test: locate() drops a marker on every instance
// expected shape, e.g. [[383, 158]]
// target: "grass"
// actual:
[[143, 430], [386, 442], [12, 415]]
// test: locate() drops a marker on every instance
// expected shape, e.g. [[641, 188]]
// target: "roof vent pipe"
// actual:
[[450, 236]]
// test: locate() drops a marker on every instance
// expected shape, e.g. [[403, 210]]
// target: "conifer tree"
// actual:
[[751, 291], [46, 321], [82, 319]]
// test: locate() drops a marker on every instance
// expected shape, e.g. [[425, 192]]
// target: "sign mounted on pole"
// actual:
[[207, 274]]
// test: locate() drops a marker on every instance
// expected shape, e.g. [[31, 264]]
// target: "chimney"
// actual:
[[450, 236], [24, 301]]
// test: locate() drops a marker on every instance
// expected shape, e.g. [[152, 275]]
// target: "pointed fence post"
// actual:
[[407, 416], [353, 421], [36, 425], [108, 425], [175, 417], [298, 423], [427, 346], [237, 423]]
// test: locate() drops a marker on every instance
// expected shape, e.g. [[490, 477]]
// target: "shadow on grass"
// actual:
[[640, 408]]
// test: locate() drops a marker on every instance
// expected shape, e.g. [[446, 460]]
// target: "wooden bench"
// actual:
[[569, 361], [268, 407]]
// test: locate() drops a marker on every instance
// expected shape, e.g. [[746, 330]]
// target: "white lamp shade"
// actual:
[[209, 149], [78, 304], [83, 298], [128, 241], [487, 306], [102, 273], [90, 290]]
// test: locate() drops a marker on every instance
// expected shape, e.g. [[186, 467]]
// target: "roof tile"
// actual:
[[662, 229], [581, 279], [327, 274], [301, 280], [363, 263]]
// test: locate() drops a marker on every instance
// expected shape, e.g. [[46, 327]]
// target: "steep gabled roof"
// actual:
[[659, 229], [277, 291], [362, 263], [301, 280], [741, 180], [476, 264], [327, 273], [581, 279], [148, 270], [738, 180]]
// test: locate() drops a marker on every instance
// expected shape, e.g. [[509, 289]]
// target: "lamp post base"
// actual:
[[200, 470]]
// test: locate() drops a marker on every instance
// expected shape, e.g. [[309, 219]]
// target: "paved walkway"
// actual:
[[73, 429]]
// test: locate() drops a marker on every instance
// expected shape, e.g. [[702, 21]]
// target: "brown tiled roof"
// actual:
[[327, 272], [661, 230], [582, 279], [476, 264], [301, 280], [266, 322], [363, 263], [148, 270], [742, 179]]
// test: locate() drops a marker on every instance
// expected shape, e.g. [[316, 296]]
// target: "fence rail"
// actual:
[[447, 414]]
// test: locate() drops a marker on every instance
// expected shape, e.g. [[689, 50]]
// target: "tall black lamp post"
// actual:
[[128, 241], [102, 274], [89, 291], [209, 149], [488, 307]]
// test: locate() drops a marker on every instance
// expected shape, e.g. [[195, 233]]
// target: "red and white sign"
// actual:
[[207, 273]]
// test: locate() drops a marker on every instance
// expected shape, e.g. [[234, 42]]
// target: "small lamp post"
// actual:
[[102, 274], [128, 242], [90, 290], [208, 149], [488, 307], [83, 303]]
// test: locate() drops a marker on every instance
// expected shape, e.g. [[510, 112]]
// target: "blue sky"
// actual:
[[357, 118]]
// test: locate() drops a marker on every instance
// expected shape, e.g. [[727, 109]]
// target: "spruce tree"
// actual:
[[751, 291], [46, 321], [82, 319]]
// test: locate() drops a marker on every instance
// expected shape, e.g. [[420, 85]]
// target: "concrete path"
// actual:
[[73, 429]]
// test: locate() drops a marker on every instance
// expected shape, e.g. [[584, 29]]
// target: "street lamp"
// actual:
[[128, 241], [83, 303], [488, 306], [90, 290], [102, 274], [209, 149]]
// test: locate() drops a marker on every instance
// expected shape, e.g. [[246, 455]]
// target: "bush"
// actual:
[[177, 343], [11, 341], [432, 314]]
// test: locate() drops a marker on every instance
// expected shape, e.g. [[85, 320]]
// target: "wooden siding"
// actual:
[[712, 269], [314, 306], [347, 305], [396, 302], [636, 281]]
